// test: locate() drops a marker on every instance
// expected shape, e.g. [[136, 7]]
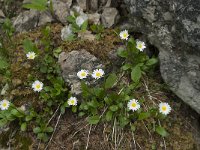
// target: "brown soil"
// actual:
[[73, 132]]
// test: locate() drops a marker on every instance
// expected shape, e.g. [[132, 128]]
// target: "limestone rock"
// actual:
[[173, 27], [94, 5], [61, 10], [87, 35], [110, 17], [82, 4], [73, 62], [94, 18], [44, 18], [26, 20]]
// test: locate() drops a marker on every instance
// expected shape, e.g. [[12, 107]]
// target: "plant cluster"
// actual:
[[114, 101]]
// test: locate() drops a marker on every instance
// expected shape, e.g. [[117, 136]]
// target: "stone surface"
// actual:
[[94, 5], [44, 18], [94, 18], [82, 4], [87, 35], [73, 62], [2, 14], [174, 28], [26, 20], [61, 10], [109, 17]]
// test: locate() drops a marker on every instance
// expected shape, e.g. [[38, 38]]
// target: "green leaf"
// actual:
[[113, 108], [80, 114], [84, 26], [28, 118], [3, 64], [160, 130], [126, 66], [133, 128], [3, 122], [39, 5], [74, 109], [144, 115], [122, 53], [17, 113], [23, 126], [37, 130], [49, 129], [109, 115], [93, 119], [136, 73], [123, 121], [110, 81], [29, 46], [152, 62], [71, 19]]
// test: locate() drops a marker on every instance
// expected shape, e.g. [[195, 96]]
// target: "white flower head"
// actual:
[[30, 55], [97, 73], [82, 74], [140, 45], [37, 86], [124, 35], [66, 32], [72, 101], [164, 108], [133, 105], [81, 19], [4, 104]]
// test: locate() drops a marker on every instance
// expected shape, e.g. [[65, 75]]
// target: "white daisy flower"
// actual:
[[124, 35], [82, 74], [140, 45], [164, 108], [133, 105], [97, 73], [37, 86], [66, 32], [81, 19], [30, 55], [4, 104], [72, 101]]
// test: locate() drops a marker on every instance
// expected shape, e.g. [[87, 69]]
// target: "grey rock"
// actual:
[[82, 4], [26, 20], [167, 16], [2, 14], [174, 28], [87, 35], [73, 62], [94, 18], [103, 2], [94, 5], [44, 18], [61, 11], [110, 17]]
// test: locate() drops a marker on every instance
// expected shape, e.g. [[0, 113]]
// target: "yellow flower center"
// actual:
[[164, 108], [125, 35], [98, 74], [140, 45], [83, 74], [72, 102], [38, 86], [133, 104], [4, 104]]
